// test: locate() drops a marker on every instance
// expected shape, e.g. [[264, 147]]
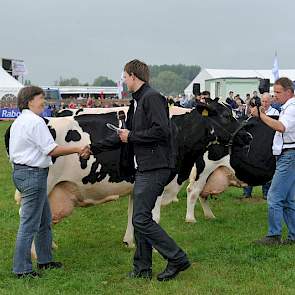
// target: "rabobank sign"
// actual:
[[9, 113], [13, 113]]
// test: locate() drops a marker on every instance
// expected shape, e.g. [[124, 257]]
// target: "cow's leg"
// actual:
[[192, 193], [170, 192], [129, 234], [194, 190], [206, 208], [157, 209]]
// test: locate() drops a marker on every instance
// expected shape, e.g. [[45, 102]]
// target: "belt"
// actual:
[[26, 166], [288, 149]]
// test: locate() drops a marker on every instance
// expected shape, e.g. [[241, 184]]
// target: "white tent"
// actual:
[[8, 85]]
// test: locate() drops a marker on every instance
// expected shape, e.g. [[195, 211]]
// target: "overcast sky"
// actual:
[[89, 38]]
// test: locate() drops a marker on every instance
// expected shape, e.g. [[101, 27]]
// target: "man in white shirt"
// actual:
[[266, 104], [280, 198]]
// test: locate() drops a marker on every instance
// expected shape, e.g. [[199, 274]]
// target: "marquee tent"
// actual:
[[9, 86]]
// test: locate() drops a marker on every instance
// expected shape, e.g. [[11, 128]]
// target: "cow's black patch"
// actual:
[[79, 111], [83, 163], [108, 162], [73, 135], [52, 131], [6, 139], [192, 136], [64, 113], [253, 162]]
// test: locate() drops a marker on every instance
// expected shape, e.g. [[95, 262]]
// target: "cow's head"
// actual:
[[222, 126]]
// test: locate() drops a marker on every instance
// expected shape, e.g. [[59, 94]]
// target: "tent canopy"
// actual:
[[8, 85]]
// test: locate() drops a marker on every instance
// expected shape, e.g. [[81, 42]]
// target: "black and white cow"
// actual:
[[250, 161], [76, 182]]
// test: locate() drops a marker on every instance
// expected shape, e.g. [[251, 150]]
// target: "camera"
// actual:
[[255, 102]]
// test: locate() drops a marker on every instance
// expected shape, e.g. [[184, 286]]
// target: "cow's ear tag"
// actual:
[[205, 113]]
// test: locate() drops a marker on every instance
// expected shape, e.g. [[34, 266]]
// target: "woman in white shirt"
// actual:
[[31, 147]]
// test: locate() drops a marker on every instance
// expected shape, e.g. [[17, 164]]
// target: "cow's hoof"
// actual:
[[210, 217], [190, 220]]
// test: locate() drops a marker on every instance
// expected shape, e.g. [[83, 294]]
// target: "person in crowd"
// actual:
[[205, 95], [238, 97], [256, 97], [148, 139], [269, 111], [184, 101], [170, 101], [240, 110], [231, 101], [72, 105], [90, 102], [247, 105], [280, 197], [31, 147]]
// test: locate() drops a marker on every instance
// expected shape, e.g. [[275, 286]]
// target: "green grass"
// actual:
[[90, 245]]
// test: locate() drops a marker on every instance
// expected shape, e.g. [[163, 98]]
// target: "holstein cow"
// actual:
[[250, 161], [77, 182]]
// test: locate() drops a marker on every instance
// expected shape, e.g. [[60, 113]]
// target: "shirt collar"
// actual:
[[137, 94], [28, 111], [288, 102]]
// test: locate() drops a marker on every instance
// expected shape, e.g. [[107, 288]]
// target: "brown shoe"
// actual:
[[269, 241]]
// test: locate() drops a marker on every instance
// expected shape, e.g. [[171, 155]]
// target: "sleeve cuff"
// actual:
[[50, 148]]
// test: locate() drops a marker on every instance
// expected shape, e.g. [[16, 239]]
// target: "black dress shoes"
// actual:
[[172, 271], [30, 275], [144, 274], [49, 265]]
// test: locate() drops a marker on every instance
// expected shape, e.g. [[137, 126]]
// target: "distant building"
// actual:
[[80, 92], [220, 81]]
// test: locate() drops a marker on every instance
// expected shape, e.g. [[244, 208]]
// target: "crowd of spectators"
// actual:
[[240, 106]]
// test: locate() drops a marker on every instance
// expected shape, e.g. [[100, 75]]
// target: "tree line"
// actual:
[[168, 79]]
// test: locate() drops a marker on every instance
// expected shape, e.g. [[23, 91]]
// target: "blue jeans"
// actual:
[[35, 218], [265, 188], [281, 196]]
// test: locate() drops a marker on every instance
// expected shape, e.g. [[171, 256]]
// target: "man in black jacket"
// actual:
[[148, 137]]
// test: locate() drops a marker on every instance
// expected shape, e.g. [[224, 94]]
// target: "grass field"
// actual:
[[224, 260]]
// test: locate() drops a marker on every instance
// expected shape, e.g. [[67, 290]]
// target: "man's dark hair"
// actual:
[[286, 83], [138, 69], [27, 94], [206, 93]]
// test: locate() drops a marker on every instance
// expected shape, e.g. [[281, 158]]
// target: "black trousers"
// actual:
[[148, 186]]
